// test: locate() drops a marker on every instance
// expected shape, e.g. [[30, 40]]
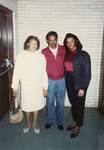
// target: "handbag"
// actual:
[[17, 117]]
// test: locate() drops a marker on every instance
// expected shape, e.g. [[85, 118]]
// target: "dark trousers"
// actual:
[[77, 103]]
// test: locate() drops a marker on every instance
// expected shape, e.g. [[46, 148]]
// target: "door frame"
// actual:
[[9, 15]]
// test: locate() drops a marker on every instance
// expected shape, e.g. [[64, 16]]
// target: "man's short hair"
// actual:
[[51, 33]]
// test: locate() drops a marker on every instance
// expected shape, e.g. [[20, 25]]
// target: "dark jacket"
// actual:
[[82, 69]]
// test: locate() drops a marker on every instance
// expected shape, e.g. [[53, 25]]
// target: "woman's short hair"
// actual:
[[51, 33], [28, 40], [77, 41]]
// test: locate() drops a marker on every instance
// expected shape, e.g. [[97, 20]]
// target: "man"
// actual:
[[54, 54]]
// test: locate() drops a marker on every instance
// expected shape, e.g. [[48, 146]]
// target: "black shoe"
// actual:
[[74, 135], [47, 126], [60, 127], [69, 128]]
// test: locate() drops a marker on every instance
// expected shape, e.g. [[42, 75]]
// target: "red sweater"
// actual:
[[55, 69], [68, 63]]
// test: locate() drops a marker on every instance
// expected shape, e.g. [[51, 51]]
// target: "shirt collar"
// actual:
[[53, 49], [73, 51]]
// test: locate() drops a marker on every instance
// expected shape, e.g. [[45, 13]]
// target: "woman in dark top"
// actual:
[[77, 76]]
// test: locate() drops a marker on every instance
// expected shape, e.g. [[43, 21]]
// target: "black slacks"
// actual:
[[77, 103]]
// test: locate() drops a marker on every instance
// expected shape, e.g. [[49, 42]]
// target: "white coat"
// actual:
[[30, 70]]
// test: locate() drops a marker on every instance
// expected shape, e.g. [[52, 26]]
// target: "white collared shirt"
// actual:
[[54, 51]]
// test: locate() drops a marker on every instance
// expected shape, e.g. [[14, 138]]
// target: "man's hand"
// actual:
[[81, 93], [15, 93], [45, 92]]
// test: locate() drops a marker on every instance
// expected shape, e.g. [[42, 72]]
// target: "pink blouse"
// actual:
[[68, 63]]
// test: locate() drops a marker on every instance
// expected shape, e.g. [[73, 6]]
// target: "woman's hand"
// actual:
[[45, 92], [81, 93], [15, 93]]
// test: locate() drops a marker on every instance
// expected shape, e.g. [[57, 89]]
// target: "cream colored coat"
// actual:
[[30, 70]]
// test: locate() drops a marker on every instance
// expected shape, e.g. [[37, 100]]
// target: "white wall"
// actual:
[[80, 17]]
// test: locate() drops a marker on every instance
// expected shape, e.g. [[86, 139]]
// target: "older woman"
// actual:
[[77, 76], [30, 70]]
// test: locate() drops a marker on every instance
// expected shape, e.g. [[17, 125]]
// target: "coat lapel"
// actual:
[[66, 55]]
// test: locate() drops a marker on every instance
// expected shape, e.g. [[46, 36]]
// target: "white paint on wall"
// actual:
[[82, 18]]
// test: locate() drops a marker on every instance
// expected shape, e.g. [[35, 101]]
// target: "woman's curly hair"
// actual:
[[77, 41]]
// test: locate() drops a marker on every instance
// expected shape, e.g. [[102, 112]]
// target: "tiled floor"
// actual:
[[91, 136]]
